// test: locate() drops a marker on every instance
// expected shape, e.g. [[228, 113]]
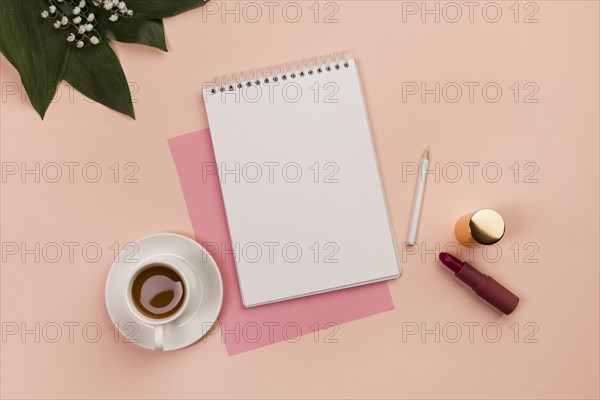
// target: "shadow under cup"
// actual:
[[158, 291]]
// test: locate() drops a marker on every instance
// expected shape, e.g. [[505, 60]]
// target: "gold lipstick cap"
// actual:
[[485, 226]]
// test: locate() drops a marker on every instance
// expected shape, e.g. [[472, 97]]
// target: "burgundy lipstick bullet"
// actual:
[[483, 285]]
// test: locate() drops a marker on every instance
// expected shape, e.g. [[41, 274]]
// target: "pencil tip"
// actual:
[[426, 153]]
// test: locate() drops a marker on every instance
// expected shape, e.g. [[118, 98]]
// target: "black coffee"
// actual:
[[158, 292]]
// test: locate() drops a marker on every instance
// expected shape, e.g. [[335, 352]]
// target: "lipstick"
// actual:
[[484, 286]]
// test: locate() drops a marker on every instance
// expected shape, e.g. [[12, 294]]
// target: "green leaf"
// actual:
[[127, 30], [96, 72], [150, 9], [37, 50]]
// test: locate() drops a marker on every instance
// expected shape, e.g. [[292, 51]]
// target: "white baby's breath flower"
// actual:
[[82, 4], [91, 17], [113, 17], [121, 5], [81, 29], [52, 9], [115, 2], [89, 27], [56, 24], [71, 37], [130, 12], [77, 20], [79, 44], [94, 40], [44, 14], [76, 11], [108, 6], [64, 20], [60, 1]]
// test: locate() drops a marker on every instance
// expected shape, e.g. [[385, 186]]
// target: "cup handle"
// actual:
[[159, 337]]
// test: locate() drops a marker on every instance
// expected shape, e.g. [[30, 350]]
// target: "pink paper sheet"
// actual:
[[244, 329]]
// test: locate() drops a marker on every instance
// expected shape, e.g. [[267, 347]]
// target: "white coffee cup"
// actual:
[[184, 271]]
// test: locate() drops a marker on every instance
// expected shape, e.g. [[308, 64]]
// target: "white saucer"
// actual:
[[196, 321]]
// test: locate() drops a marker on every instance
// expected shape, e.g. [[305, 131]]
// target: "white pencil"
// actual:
[[418, 202]]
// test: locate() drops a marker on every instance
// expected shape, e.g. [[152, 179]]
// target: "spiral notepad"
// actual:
[[300, 181]]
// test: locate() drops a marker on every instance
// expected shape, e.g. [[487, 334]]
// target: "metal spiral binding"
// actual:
[[276, 72]]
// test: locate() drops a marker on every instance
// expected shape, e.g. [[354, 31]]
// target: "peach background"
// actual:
[[559, 214]]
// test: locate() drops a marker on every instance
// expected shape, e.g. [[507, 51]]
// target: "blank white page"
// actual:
[[299, 175]]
